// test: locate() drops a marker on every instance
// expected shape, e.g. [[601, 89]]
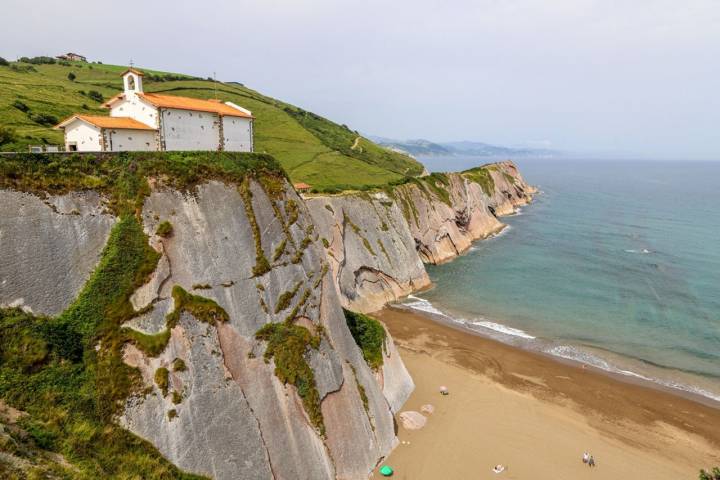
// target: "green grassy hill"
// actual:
[[311, 148]]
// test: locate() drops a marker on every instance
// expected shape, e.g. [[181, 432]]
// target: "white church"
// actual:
[[142, 121]]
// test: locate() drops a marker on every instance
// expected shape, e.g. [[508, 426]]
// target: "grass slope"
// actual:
[[310, 148]]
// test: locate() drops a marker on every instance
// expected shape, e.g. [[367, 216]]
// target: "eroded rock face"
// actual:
[[377, 243], [48, 248], [236, 419], [370, 249]]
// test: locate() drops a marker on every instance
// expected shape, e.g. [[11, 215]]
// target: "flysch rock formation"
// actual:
[[48, 248], [377, 243], [226, 414], [370, 249], [235, 418]]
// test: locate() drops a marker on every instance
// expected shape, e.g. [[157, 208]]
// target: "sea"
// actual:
[[616, 264]]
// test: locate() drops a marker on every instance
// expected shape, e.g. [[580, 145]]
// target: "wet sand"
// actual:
[[537, 415]]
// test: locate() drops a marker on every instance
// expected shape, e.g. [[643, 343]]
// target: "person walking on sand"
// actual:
[[586, 458], [591, 461]]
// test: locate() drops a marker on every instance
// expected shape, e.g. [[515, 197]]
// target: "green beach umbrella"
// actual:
[[386, 471]]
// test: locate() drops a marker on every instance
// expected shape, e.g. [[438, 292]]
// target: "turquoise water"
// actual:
[[616, 264]]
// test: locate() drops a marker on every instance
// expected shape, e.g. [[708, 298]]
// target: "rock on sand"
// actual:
[[412, 420]]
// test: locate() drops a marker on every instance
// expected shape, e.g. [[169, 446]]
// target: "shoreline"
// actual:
[[540, 393], [519, 339]]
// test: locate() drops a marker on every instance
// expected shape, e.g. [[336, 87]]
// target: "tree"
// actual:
[[71, 76], [4, 62]]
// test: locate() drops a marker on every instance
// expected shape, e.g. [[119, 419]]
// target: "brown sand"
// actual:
[[537, 415]]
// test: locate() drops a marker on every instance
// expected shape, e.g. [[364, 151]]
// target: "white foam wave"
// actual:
[[644, 251], [515, 332], [572, 353], [423, 305]]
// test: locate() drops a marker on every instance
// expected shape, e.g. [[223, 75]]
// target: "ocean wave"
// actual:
[[571, 353], [497, 327], [643, 251], [423, 305]]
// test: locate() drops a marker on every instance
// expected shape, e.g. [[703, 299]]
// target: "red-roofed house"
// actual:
[[151, 121]]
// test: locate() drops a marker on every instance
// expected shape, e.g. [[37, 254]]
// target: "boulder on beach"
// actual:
[[412, 420], [428, 409]]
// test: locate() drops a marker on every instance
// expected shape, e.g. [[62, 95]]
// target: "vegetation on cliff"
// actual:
[[312, 149], [369, 335], [67, 372], [287, 345]]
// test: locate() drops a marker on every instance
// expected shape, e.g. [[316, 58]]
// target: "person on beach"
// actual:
[[591, 461], [585, 458]]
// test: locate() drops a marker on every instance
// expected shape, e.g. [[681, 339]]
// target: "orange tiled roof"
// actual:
[[195, 104], [133, 70], [301, 186], [126, 123]]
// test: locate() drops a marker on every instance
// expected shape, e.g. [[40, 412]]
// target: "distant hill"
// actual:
[[312, 149], [420, 148]]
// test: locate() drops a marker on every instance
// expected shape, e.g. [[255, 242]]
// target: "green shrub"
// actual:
[[172, 414], [162, 379], [287, 345], [44, 119], [7, 135], [21, 106], [714, 475], [71, 76], [179, 365], [369, 335], [39, 60], [3, 62], [165, 229], [176, 397], [95, 95]]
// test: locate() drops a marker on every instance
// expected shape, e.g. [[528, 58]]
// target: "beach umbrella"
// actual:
[[386, 471]]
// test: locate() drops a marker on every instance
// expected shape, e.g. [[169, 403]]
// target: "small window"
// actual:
[[130, 138], [131, 82], [202, 127], [200, 115], [191, 114]]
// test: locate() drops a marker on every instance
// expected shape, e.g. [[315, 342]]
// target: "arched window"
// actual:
[[131, 82]]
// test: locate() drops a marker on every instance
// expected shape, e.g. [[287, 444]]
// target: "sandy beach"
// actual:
[[536, 415]]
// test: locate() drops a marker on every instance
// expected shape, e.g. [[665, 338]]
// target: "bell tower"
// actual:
[[132, 81]]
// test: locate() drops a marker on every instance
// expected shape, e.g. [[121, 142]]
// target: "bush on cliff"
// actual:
[[369, 335]]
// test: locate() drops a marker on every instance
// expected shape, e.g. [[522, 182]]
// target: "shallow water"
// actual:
[[616, 264]]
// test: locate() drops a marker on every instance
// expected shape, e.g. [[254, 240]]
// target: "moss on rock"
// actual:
[[287, 345]]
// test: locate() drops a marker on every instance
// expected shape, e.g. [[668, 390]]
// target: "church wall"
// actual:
[[122, 140], [136, 108], [190, 130], [87, 137], [238, 134]]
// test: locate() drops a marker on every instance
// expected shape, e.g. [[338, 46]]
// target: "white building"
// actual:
[[142, 121]]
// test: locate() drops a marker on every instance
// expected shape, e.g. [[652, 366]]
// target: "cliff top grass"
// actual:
[[310, 148], [62, 173]]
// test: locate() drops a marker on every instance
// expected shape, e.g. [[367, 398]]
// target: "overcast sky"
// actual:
[[634, 77]]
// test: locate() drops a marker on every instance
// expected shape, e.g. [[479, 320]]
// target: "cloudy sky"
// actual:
[[612, 77]]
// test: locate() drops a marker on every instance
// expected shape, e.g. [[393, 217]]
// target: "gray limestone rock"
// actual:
[[48, 248]]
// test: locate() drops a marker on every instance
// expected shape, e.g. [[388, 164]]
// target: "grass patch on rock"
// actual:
[[287, 345]]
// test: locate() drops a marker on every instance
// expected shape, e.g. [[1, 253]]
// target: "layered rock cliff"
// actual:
[[242, 363], [196, 301], [378, 242]]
